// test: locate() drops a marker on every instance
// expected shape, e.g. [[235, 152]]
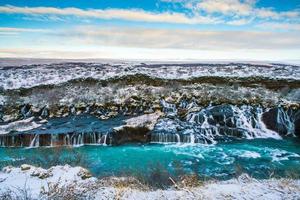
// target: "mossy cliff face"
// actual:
[[106, 91], [166, 121], [75, 83], [136, 101]]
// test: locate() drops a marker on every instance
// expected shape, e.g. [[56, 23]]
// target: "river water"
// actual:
[[261, 158]]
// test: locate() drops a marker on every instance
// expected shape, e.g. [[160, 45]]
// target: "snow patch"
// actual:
[[244, 187], [21, 125]]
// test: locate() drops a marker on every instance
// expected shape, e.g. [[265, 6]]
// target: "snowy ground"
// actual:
[[28, 76], [65, 182]]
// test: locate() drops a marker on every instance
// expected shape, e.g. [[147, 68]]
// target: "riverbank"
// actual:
[[65, 182]]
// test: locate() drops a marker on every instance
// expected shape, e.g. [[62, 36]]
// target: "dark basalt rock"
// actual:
[[25, 111], [283, 122], [221, 110], [1, 113], [131, 135], [182, 112], [221, 121], [269, 118], [220, 114], [44, 113], [297, 127]]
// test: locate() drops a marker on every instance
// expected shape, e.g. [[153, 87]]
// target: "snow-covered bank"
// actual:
[[21, 125], [65, 182], [148, 121], [28, 76]]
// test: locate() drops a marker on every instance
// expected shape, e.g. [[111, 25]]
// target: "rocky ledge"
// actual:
[[136, 129], [169, 121]]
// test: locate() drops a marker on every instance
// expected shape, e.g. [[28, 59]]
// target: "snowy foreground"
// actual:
[[65, 182]]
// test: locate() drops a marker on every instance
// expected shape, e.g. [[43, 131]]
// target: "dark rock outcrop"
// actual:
[[283, 121], [136, 129], [131, 135]]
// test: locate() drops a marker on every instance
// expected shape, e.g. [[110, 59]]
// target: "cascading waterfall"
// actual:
[[189, 123], [35, 141], [177, 137], [250, 119], [105, 139], [166, 138], [214, 123], [168, 107], [287, 120], [52, 140]]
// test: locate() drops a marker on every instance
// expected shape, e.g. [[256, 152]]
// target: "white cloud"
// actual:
[[17, 30], [11, 31], [152, 54], [241, 8], [239, 22], [161, 38], [278, 26], [155, 44], [269, 13], [230, 12], [133, 42], [226, 6], [132, 15], [180, 39]]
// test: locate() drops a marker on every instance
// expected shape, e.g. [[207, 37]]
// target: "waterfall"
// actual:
[[165, 138], [94, 138], [250, 119], [168, 107], [77, 139], [35, 141], [67, 140], [103, 139], [215, 123], [53, 139], [192, 138], [286, 120], [260, 125], [177, 137], [207, 125]]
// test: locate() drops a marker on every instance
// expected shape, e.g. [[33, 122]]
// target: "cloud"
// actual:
[[154, 44], [226, 6], [131, 15], [152, 54], [236, 8], [269, 13], [16, 30], [239, 22], [230, 12], [279, 26], [161, 38], [11, 31], [180, 39]]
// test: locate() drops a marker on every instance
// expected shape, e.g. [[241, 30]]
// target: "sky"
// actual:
[[266, 30]]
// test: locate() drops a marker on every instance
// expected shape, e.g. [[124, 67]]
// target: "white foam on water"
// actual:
[[278, 155], [250, 154]]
